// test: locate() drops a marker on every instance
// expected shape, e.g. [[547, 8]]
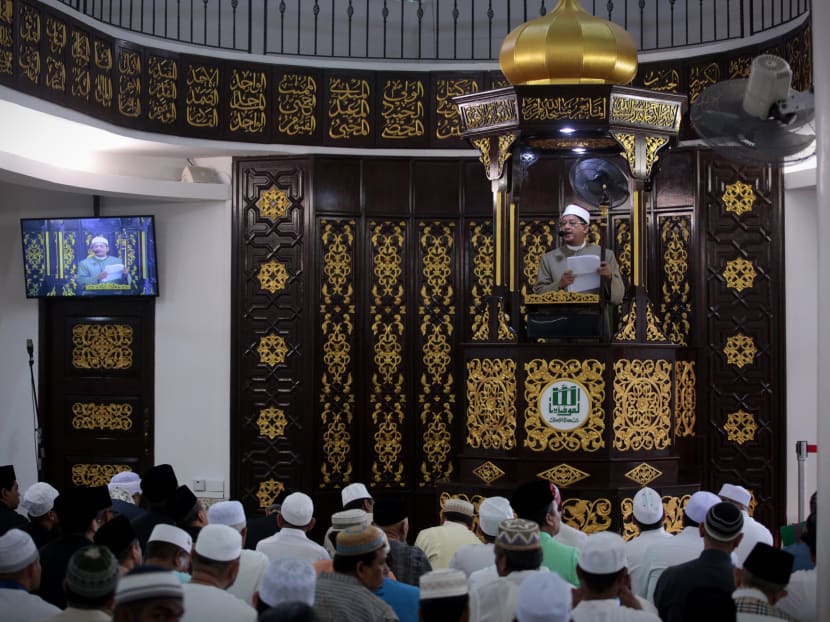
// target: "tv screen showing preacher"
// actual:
[[112, 256]]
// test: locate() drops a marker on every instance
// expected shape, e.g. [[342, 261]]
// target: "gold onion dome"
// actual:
[[568, 46]]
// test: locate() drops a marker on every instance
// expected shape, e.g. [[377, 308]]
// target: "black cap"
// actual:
[[181, 503], [770, 564], [159, 483], [531, 497], [100, 497], [7, 476], [117, 535], [723, 522], [388, 510], [76, 507]]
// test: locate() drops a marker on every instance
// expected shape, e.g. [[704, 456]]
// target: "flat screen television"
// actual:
[[106, 256]]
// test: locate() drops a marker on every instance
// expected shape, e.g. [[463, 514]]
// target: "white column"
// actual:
[[821, 69]]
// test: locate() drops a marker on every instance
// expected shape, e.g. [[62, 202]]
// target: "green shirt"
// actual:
[[560, 558]]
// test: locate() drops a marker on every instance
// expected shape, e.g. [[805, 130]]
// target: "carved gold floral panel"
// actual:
[[642, 404], [740, 350], [488, 472], [271, 422], [482, 251], [539, 435], [102, 346], [739, 274], [491, 399], [563, 475], [586, 515], [273, 203], [95, 474], [675, 303], [267, 492], [685, 398], [644, 474], [738, 198], [740, 427], [337, 327], [272, 349], [102, 416], [272, 276]]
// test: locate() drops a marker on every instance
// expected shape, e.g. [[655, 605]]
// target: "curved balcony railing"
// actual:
[[434, 30]]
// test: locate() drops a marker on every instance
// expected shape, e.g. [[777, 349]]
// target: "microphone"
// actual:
[[30, 348]]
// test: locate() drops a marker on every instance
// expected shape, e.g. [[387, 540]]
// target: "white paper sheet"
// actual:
[[113, 272], [585, 268]]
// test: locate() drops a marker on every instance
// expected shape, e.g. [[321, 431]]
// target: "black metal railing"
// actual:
[[437, 30]]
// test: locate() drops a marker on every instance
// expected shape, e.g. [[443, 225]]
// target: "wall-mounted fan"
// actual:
[[591, 176], [757, 120]]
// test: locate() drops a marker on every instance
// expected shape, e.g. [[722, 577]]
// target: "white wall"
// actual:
[[192, 362], [801, 257]]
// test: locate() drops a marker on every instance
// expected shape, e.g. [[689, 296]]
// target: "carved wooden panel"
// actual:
[[98, 372], [742, 259]]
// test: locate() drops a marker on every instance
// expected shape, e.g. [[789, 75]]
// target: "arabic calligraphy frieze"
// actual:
[[554, 108], [248, 103], [56, 36], [6, 37], [297, 96], [30, 31], [402, 109], [202, 96], [162, 89], [664, 79], [349, 107], [80, 61], [129, 82], [103, 67], [447, 121], [643, 112]]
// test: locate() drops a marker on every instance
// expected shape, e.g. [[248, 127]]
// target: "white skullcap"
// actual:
[[230, 513], [219, 543], [286, 580], [443, 583], [544, 597], [578, 211], [128, 480], [17, 551], [491, 512], [648, 506], [99, 239], [733, 492], [39, 498], [603, 553], [699, 503], [352, 492], [147, 583], [172, 535], [297, 509], [349, 518]]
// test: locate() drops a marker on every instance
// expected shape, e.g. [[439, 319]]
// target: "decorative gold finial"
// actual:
[[568, 46]]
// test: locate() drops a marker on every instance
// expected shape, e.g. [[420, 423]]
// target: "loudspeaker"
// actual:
[[200, 175]]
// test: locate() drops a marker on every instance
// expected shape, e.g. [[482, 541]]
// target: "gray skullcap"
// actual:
[[544, 597], [17, 551], [723, 522], [602, 553], [121, 494], [647, 506], [148, 583], [443, 583], [39, 499], [219, 543], [230, 513], [491, 512], [518, 534], [699, 503], [287, 580], [349, 518], [92, 572], [459, 506]]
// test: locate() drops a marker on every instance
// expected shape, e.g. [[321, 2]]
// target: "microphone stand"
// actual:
[[39, 453]]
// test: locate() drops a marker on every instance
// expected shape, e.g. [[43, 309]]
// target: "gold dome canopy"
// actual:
[[568, 46]]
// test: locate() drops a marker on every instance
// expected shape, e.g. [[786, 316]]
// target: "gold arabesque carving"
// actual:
[[272, 349], [563, 475], [337, 312], [487, 114], [643, 474], [642, 404], [645, 113], [273, 203], [738, 198], [653, 330], [686, 399], [84, 474], [488, 472], [483, 274], [539, 435], [739, 274], [491, 398], [102, 346], [589, 516], [740, 427], [271, 422], [561, 297], [628, 324], [740, 350], [623, 245], [675, 306], [272, 276], [267, 492], [102, 416]]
